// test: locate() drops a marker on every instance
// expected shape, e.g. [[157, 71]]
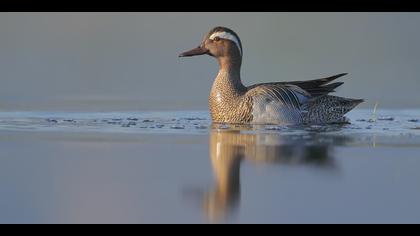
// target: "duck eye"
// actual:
[[216, 39]]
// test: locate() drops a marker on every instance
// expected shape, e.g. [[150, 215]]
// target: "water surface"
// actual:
[[175, 167]]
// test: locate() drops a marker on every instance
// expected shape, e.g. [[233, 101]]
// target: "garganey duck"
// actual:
[[297, 102]]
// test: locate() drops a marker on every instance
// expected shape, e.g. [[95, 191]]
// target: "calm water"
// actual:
[[175, 167]]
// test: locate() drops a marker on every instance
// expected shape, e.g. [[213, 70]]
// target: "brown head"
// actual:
[[220, 42]]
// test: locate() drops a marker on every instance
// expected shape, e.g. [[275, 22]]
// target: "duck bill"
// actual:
[[194, 52]]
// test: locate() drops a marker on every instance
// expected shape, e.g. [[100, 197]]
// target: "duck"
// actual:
[[280, 103]]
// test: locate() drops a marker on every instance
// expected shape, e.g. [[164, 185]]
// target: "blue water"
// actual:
[[175, 167]]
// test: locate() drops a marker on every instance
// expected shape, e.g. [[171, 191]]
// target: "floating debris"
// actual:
[[71, 120], [52, 120], [177, 127], [148, 121], [374, 116], [413, 120], [361, 120], [132, 119], [386, 118]]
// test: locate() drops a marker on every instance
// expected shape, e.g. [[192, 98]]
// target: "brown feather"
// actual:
[[316, 87]]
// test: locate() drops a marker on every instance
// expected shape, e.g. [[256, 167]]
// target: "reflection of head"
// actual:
[[225, 157], [220, 201], [229, 148]]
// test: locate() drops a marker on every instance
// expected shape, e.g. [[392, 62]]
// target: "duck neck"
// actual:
[[228, 80]]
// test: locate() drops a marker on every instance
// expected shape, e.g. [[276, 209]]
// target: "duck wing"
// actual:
[[289, 95], [315, 88]]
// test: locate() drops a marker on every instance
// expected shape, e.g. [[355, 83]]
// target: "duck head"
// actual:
[[219, 42]]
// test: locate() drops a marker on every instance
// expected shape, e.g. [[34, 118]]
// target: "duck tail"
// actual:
[[329, 109]]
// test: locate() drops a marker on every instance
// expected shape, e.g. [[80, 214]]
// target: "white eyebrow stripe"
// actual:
[[226, 35]]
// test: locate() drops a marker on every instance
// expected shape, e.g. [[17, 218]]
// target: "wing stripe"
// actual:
[[287, 95]]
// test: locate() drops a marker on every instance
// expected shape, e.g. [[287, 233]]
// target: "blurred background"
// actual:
[[128, 61]]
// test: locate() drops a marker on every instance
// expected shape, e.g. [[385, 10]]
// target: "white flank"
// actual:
[[226, 35]]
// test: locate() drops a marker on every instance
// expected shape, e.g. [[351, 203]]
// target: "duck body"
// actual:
[[285, 103], [278, 103]]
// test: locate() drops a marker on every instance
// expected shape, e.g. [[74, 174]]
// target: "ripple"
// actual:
[[177, 127], [386, 118], [390, 122], [223, 126]]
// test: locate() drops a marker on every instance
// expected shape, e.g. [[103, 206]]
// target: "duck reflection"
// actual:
[[229, 148]]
